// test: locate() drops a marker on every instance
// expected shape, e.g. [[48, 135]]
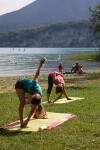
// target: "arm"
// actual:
[[21, 112], [39, 69], [65, 94], [28, 118], [57, 98], [30, 114]]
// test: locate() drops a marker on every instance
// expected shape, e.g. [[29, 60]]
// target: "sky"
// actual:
[[7, 6]]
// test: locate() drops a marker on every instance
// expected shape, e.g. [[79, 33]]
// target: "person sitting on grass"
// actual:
[[57, 79], [77, 69], [80, 69], [30, 89]]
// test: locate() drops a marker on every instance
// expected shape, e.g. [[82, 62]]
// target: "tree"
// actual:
[[95, 20]]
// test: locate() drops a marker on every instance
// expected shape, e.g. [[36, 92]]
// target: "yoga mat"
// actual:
[[64, 100], [54, 119]]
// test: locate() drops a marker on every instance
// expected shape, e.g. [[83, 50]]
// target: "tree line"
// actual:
[[95, 20]]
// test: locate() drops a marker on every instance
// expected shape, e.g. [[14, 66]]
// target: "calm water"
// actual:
[[24, 61]]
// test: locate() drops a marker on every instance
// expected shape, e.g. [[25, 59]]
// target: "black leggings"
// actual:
[[50, 84]]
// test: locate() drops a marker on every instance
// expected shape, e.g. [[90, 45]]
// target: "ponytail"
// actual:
[[39, 110]]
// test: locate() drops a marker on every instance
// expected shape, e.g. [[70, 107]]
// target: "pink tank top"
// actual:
[[58, 76]]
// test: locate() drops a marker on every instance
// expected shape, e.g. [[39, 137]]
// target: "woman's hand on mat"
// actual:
[[24, 125], [53, 101], [45, 115]]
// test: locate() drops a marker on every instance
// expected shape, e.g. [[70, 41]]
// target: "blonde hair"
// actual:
[[37, 106], [39, 111]]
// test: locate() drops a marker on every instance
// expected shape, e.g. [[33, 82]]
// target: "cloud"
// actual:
[[7, 6]]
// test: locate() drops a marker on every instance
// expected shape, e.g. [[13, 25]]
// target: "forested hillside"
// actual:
[[73, 34]]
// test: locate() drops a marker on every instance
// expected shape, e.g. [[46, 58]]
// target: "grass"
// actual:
[[86, 56], [80, 133]]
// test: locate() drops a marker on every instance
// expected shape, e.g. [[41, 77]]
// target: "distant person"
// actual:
[[30, 89], [77, 69], [80, 69], [60, 67], [57, 79]]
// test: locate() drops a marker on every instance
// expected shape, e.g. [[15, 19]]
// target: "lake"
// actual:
[[24, 61]]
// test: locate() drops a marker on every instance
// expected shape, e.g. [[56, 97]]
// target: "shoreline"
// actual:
[[43, 74]]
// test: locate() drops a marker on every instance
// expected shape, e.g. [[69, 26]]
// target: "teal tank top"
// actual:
[[30, 86]]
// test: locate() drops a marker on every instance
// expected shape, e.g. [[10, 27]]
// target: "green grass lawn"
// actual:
[[80, 133]]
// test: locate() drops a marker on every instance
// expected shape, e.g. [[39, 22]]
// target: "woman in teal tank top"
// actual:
[[33, 91], [30, 86]]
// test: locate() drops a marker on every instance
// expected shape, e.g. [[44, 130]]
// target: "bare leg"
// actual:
[[48, 98], [20, 93]]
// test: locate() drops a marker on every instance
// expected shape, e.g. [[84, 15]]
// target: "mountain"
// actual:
[[43, 12], [73, 34]]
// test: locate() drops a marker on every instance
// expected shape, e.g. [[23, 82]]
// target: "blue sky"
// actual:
[[7, 6]]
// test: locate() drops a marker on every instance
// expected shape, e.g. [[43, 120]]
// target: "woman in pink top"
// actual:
[[57, 79]]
